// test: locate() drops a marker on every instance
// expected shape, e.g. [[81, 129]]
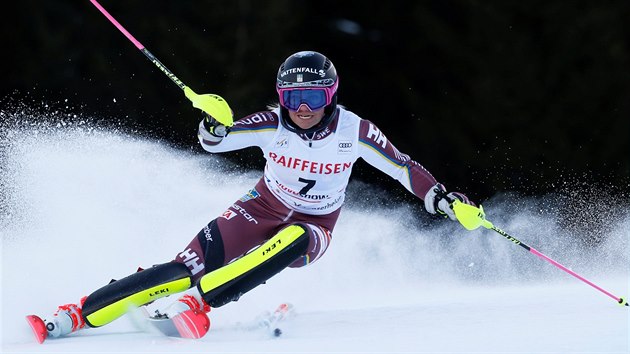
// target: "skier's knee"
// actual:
[[204, 253], [116, 298], [319, 239], [228, 283]]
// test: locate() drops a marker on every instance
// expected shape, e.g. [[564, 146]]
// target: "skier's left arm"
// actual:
[[379, 152]]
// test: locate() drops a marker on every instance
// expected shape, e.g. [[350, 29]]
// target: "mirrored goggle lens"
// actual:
[[313, 98]]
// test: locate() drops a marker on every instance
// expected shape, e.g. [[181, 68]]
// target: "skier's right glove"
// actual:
[[210, 129], [438, 201]]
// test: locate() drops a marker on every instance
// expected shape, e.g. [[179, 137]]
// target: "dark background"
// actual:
[[490, 96]]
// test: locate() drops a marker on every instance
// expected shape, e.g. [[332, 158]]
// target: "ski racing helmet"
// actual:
[[309, 78]]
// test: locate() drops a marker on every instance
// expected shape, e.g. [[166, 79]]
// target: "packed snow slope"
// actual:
[[82, 205]]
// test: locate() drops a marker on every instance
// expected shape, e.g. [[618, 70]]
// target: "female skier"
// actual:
[[310, 145]]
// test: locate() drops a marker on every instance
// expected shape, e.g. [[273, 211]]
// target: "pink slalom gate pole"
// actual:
[[139, 45], [619, 300]]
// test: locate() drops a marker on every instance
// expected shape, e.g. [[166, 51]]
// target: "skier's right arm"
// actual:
[[254, 130]]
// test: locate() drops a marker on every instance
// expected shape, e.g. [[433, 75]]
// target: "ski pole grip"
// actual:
[[470, 216], [213, 105]]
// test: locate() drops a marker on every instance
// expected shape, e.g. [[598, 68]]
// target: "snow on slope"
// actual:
[[82, 206]]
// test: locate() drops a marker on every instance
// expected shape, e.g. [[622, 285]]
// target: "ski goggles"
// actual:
[[314, 98]]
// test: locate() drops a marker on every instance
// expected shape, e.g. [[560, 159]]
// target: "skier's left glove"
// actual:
[[438, 201]]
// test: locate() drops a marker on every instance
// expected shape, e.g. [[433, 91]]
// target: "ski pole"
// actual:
[[472, 218], [214, 105]]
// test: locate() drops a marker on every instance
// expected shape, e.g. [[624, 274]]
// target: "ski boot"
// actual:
[[67, 319], [185, 303], [186, 318]]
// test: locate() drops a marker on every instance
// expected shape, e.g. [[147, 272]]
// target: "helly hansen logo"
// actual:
[[377, 136], [191, 260]]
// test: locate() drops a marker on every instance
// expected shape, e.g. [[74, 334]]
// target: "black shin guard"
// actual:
[[114, 299], [235, 279]]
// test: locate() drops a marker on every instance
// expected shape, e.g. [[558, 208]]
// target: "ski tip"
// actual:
[[39, 328]]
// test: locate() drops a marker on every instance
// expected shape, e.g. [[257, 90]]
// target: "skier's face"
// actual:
[[305, 118]]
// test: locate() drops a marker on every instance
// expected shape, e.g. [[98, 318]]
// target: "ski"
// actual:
[[188, 324]]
